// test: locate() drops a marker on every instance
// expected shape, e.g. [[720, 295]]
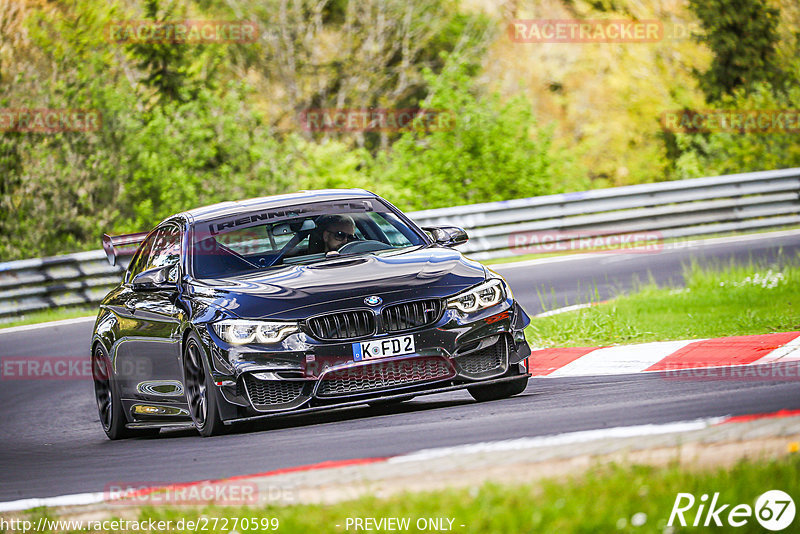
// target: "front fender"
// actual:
[[106, 329]]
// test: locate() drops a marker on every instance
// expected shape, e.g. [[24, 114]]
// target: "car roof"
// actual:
[[230, 208]]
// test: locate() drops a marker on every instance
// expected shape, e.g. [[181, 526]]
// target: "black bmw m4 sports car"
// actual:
[[295, 303]]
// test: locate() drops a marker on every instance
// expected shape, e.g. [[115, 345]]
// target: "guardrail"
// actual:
[[43, 283], [668, 210], [683, 208]]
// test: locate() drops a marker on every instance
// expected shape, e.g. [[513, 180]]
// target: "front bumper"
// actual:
[[302, 373], [387, 396]]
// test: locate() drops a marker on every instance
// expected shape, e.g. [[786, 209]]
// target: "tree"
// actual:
[[478, 148], [742, 34], [727, 152], [172, 69], [357, 55]]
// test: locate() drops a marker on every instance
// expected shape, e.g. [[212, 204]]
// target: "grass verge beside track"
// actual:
[[55, 314], [716, 302], [609, 498]]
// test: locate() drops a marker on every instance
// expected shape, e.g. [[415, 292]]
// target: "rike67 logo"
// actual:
[[774, 510]]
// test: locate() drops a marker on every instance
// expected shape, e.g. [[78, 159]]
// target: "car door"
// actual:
[[147, 360]]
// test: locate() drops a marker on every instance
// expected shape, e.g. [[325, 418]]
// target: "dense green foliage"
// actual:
[[726, 152], [747, 75], [191, 124], [493, 151], [743, 36]]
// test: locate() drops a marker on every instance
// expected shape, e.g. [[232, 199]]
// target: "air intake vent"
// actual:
[[342, 325], [411, 315], [384, 375], [265, 394], [486, 362]]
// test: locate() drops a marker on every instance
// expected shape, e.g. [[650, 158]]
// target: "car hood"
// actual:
[[298, 291]]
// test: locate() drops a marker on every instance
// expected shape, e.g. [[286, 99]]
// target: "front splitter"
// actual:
[[373, 399]]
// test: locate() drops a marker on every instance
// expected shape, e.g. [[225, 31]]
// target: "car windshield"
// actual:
[[301, 234]]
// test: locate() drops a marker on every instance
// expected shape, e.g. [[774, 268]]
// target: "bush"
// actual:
[[494, 151], [712, 154], [179, 131]]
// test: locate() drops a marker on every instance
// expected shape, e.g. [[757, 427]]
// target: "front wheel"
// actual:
[[200, 389], [503, 390]]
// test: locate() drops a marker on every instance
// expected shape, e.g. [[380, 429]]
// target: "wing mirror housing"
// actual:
[[447, 236], [165, 277]]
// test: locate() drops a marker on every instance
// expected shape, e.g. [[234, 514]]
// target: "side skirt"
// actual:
[[174, 424]]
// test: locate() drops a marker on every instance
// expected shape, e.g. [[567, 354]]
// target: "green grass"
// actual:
[[56, 314], [728, 301], [605, 499]]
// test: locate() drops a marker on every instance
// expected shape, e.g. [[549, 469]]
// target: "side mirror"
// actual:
[[157, 278], [447, 236]]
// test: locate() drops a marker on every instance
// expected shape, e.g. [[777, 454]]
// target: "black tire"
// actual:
[[503, 390], [109, 407], [200, 389]]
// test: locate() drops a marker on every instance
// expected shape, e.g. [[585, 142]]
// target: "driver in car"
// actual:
[[337, 230]]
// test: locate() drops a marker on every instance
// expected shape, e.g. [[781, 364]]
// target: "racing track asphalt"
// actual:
[[51, 442]]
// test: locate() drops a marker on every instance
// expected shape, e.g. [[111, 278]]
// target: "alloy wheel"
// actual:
[[102, 387], [196, 384]]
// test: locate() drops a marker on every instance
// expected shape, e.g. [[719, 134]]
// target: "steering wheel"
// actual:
[[357, 247]]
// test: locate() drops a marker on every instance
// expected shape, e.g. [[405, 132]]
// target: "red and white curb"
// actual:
[[666, 356], [585, 436], [558, 440], [80, 499], [511, 445]]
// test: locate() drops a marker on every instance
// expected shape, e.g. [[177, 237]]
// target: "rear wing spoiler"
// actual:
[[122, 245]]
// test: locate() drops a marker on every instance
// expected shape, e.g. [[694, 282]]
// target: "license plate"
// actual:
[[383, 348]]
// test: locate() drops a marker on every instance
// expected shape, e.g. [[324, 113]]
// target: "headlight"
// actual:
[[239, 331], [484, 296]]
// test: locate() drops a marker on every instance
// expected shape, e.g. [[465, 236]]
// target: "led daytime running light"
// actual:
[[240, 332], [478, 298]]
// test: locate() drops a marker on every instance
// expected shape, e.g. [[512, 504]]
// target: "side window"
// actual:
[[394, 236], [166, 248], [139, 261]]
